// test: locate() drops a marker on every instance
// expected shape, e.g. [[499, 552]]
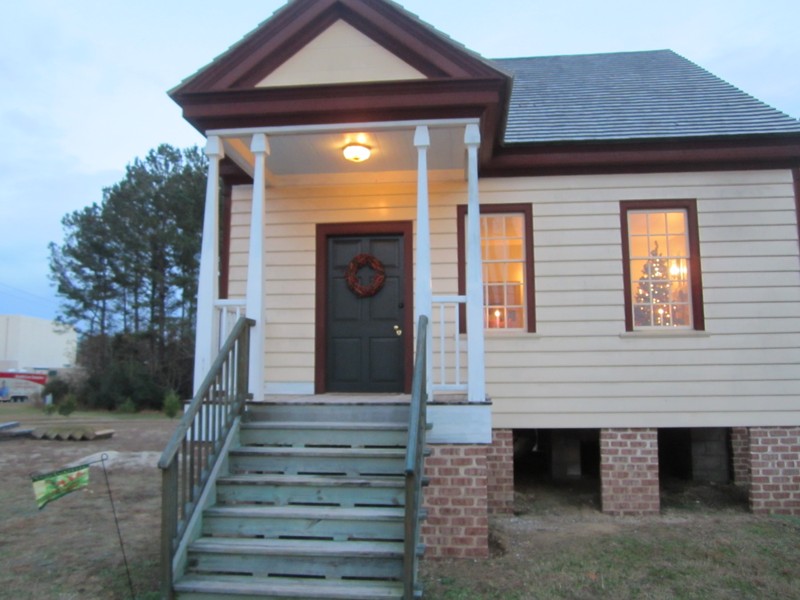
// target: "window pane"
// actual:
[[656, 223], [494, 227], [494, 273], [494, 294], [639, 246], [515, 226], [514, 295], [515, 250], [495, 250], [676, 222], [637, 223]]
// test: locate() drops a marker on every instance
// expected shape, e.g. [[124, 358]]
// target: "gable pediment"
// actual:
[[340, 54]]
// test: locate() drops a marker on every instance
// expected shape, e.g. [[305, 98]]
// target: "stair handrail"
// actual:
[[415, 461], [194, 447]]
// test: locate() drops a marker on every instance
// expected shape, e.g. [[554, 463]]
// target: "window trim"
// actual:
[[530, 294], [695, 275]]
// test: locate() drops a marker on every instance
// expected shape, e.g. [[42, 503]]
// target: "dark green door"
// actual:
[[364, 341]]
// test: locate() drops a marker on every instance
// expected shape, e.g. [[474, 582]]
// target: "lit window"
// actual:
[[507, 258], [662, 276]]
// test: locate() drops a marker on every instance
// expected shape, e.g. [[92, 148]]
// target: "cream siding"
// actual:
[[581, 369], [340, 54]]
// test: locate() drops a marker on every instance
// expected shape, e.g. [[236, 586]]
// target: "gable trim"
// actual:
[[290, 29]]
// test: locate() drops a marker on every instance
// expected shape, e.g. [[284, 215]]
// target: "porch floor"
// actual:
[[353, 398]]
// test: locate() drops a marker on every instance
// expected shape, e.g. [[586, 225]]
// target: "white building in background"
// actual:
[[30, 343]]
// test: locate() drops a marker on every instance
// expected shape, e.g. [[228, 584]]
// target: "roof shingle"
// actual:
[[629, 95]]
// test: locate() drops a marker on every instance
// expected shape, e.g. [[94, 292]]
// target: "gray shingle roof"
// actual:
[[629, 95]]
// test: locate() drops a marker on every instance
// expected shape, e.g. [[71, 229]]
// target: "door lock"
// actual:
[[397, 331]]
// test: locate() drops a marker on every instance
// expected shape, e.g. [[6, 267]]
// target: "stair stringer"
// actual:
[[207, 499]]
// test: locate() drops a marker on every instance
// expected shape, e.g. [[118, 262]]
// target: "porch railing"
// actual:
[[227, 315], [194, 448], [449, 356], [415, 458]]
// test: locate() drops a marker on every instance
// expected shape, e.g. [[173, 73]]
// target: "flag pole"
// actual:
[[103, 459]]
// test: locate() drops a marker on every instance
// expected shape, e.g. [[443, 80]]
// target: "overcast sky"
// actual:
[[84, 84]]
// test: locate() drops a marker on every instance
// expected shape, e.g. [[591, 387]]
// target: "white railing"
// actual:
[[449, 350], [226, 314]]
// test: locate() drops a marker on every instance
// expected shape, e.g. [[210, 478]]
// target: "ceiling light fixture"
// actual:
[[357, 153]]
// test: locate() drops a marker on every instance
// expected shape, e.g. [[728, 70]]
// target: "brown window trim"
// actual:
[[530, 295], [695, 276], [796, 179]]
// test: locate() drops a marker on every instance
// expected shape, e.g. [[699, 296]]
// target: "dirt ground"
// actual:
[[70, 549], [557, 544]]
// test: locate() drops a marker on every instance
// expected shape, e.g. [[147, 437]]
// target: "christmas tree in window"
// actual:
[[661, 299]]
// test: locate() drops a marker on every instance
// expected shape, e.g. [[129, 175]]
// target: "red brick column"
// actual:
[[500, 464], [629, 471], [740, 453], [456, 500], [775, 470]]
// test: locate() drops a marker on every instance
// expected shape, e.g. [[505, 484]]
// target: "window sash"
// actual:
[[507, 266]]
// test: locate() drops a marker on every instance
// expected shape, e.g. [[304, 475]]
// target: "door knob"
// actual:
[[397, 331]]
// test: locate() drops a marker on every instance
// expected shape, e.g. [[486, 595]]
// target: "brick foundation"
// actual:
[[740, 455], [457, 502], [629, 471], [775, 470], [500, 467]]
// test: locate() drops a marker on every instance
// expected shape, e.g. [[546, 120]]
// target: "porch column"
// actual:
[[208, 278], [423, 302], [255, 267], [475, 347]]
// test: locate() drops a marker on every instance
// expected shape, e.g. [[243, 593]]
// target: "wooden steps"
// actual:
[[311, 506], [202, 587]]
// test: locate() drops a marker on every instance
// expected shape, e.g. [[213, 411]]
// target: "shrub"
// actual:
[[67, 405], [57, 388], [172, 404], [128, 407]]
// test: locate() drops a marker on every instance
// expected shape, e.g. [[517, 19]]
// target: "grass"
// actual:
[[721, 559], [28, 412]]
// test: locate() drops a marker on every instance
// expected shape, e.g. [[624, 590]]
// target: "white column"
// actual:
[[475, 346], [255, 267], [423, 301], [208, 277]]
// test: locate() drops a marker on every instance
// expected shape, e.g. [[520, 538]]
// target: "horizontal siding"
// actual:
[[580, 369]]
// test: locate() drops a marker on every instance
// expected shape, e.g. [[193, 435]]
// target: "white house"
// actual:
[[606, 245]]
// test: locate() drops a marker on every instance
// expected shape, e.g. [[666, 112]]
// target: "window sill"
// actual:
[[666, 333], [509, 333]]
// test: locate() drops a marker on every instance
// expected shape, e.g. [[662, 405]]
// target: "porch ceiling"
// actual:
[[308, 152]]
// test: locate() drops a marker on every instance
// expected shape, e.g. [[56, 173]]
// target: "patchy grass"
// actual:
[[694, 552]]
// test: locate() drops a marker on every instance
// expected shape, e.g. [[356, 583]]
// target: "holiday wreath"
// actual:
[[354, 283]]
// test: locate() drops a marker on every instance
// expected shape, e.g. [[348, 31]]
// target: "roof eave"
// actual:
[[765, 151]]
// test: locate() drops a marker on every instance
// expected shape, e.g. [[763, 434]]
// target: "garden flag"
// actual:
[[51, 486]]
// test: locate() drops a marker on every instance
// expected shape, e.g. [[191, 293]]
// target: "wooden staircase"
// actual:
[[308, 502]]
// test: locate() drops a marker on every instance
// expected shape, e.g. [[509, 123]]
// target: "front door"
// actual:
[[366, 313]]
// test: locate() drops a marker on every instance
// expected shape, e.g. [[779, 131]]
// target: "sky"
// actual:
[[83, 84]]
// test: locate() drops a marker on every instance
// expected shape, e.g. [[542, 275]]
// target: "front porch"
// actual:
[[300, 170]]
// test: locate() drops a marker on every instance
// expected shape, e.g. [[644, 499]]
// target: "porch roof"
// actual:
[[300, 151]]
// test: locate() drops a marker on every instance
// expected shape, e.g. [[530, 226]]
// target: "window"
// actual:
[[507, 256], [661, 253]]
